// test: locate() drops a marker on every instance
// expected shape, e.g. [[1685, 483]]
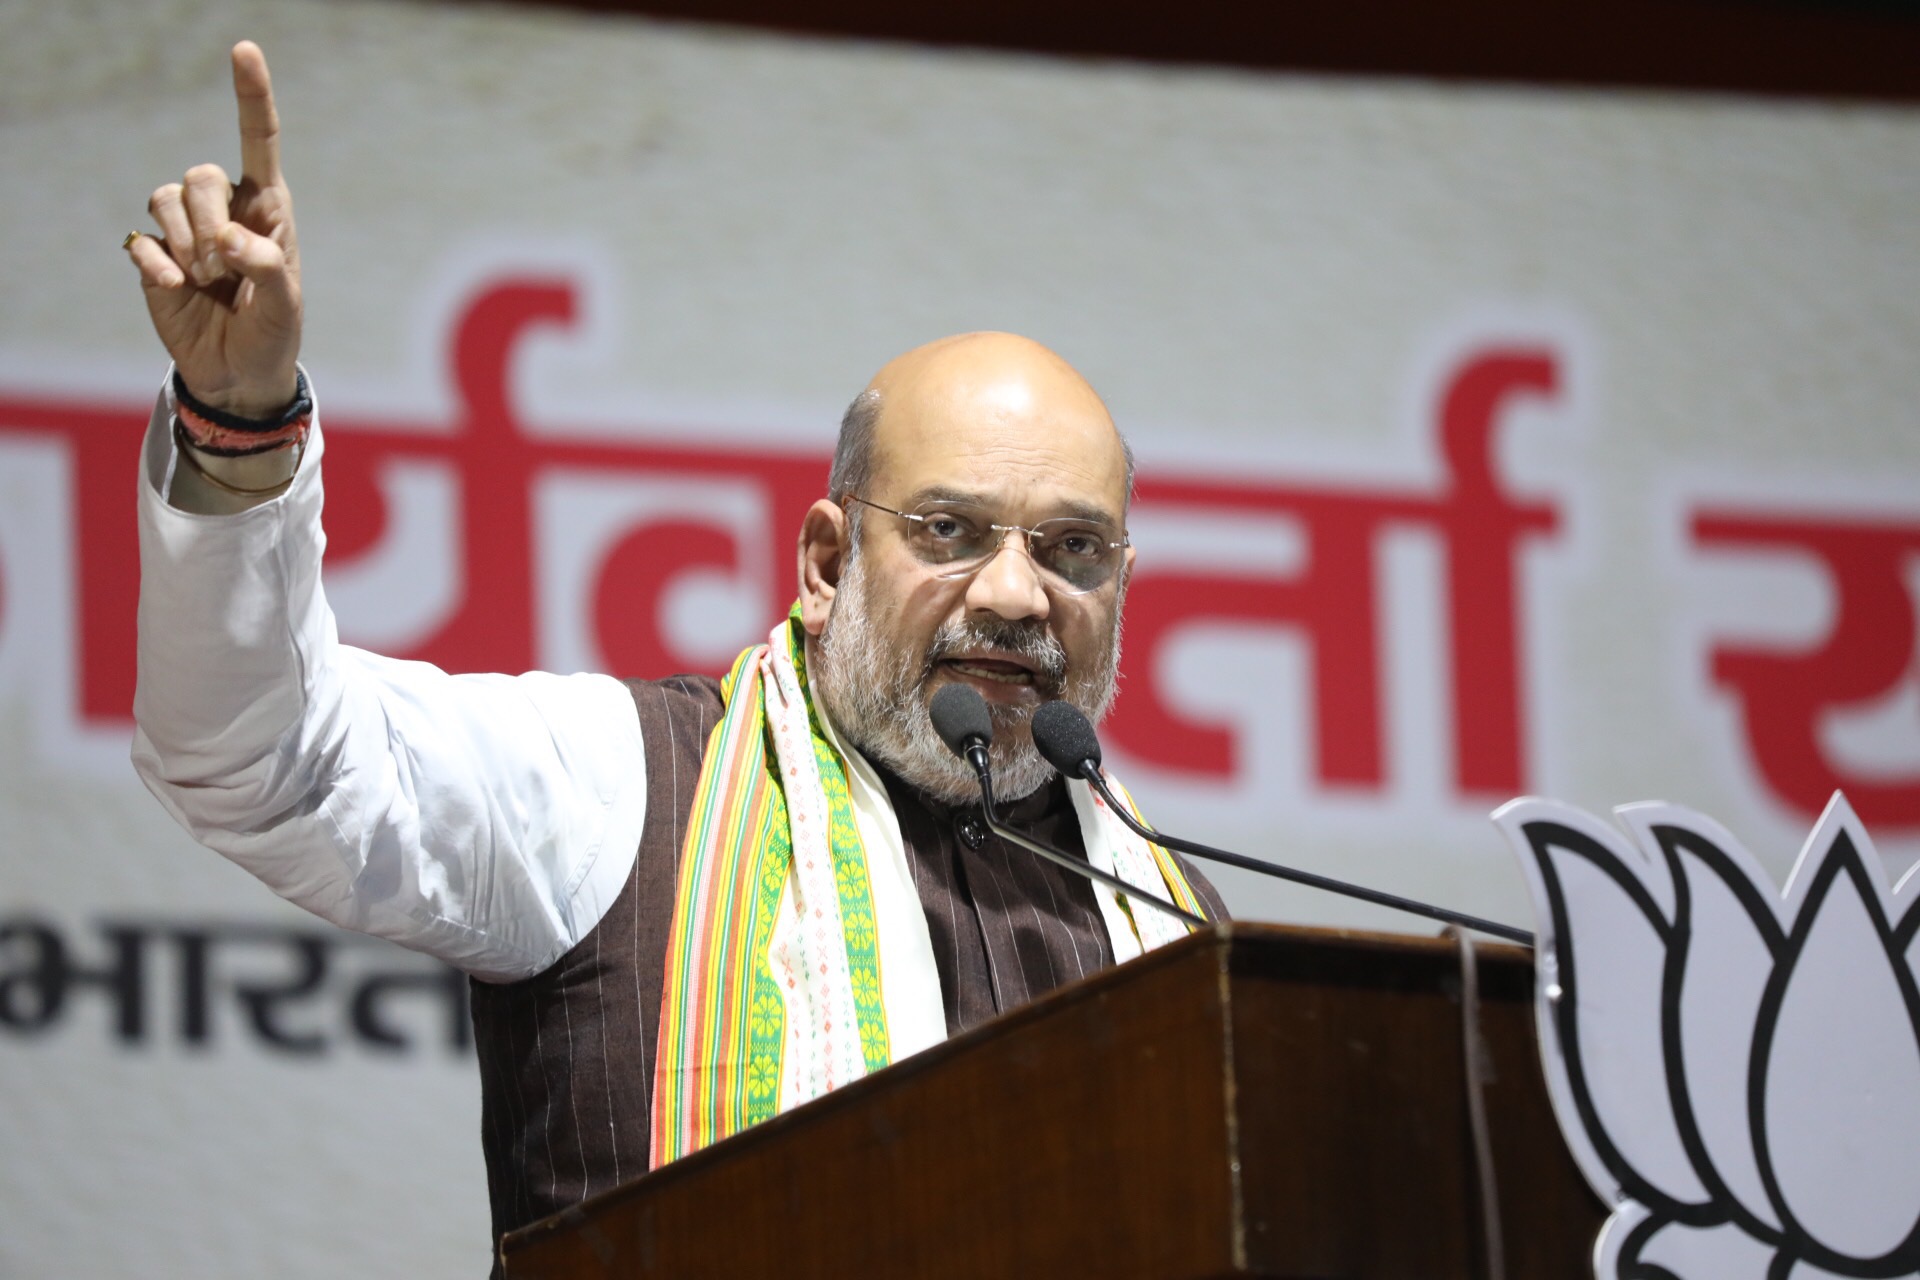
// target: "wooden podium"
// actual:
[[1253, 1101]]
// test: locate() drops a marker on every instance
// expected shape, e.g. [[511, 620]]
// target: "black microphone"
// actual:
[[1066, 740], [961, 718]]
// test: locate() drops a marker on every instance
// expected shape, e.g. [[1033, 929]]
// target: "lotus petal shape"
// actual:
[[1735, 1068]]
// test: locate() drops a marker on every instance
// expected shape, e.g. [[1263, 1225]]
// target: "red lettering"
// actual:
[[632, 579], [1483, 531], [1782, 693], [1331, 602], [102, 443]]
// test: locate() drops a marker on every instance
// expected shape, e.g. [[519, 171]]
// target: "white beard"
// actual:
[[878, 693]]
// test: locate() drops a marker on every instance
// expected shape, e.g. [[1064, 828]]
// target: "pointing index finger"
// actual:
[[259, 122]]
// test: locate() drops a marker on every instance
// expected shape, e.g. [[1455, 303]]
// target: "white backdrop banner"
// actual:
[[1491, 442]]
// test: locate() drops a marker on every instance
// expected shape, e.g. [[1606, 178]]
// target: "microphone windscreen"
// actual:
[[960, 717], [1064, 737]]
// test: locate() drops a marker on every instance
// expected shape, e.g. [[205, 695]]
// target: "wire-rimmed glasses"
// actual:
[[954, 539]]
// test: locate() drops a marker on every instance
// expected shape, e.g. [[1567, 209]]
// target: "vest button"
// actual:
[[971, 830]]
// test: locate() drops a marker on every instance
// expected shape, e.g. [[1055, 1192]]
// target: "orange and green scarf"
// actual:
[[773, 992]]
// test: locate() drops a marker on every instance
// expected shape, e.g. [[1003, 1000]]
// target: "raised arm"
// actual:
[[488, 820], [222, 284]]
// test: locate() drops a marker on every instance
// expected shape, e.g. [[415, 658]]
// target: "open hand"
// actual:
[[222, 278]]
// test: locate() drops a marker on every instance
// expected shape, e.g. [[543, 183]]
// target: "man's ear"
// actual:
[[823, 548]]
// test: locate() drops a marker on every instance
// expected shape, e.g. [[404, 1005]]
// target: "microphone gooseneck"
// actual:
[[961, 718], [1066, 741]]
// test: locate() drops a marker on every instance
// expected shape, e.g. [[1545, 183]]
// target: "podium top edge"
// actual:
[[1345, 957]]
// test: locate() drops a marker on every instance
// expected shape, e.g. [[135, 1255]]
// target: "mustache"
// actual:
[[1027, 639]]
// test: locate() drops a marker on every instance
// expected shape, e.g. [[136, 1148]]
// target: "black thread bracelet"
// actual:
[[301, 407]]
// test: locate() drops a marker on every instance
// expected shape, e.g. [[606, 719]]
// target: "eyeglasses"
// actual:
[[955, 539]]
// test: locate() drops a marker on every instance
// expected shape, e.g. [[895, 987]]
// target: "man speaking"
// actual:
[[687, 904]]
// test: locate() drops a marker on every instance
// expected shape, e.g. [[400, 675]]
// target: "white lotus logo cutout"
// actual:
[[1736, 1069]]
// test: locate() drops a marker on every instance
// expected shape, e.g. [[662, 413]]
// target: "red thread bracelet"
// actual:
[[226, 442]]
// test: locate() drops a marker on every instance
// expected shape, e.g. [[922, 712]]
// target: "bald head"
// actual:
[[962, 437], [995, 367], [983, 396]]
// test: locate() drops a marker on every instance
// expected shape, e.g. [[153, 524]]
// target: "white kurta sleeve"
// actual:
[[485, 819]]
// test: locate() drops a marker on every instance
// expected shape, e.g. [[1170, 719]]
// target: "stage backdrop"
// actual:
[[1491, 442]]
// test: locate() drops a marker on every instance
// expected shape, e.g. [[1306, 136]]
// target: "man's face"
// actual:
[[1024, 439]]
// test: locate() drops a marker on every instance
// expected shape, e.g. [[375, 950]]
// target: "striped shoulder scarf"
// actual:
[[774, 992]]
